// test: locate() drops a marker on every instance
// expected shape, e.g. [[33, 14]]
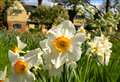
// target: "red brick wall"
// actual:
[[24, 26]]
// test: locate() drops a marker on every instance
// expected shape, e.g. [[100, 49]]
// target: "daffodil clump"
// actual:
[[101, 47], [21, 65], [63, 46]]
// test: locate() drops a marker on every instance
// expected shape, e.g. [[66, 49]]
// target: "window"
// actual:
[[17, 26]]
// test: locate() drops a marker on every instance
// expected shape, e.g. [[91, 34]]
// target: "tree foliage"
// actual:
[[50, 15]]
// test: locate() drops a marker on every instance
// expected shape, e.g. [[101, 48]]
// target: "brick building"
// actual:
[[17, 17]]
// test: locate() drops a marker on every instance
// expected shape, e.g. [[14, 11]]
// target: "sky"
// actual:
[[47, 2], [97, 2], [94, 2], [35, 2]]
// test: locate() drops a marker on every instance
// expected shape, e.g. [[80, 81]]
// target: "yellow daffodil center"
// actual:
[[21, 66], [15, 49], [62, 43], [94, 49], [2, 81]]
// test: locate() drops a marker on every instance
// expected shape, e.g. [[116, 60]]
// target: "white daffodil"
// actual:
[[101, 47], [82, 32], [17, 49], [62, 46], [20, 45], [3, 75], [21, 66]]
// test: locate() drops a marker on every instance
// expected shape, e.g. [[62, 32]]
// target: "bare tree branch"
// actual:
[[100, 12]]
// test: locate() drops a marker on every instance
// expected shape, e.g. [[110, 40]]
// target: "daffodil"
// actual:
[[62, 46], [17, 49], [21, 66], [3, 75], [20, 45], [100, 46], [82, 32]]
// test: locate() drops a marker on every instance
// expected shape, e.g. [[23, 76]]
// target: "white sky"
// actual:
[[49, 3], [35, 2], [97, 2]]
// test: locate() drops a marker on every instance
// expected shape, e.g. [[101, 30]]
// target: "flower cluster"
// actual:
[[100, 47], [63, 45], [21, 64]]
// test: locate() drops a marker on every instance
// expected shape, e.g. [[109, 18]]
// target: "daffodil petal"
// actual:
[[107, 59], [15, 78], [12, 56], [43, 43], [65, 28], [21, 45], [32, 56], [5, 73], [75, 55], [26, 77], [56, 63], [79, 37], [29, 77], [45, 47], [32, 53], [59, 60]]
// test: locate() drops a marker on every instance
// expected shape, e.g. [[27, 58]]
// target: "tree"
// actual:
[[49, 15], [107, 5], [39, 2], [71, 5]]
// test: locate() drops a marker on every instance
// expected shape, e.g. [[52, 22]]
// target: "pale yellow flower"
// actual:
[[17, 49], [20, 45], [21, 66], [100, 46], [82, 30], [62, 46]]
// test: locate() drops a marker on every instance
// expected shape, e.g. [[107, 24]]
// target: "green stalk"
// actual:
[[87, 67]]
